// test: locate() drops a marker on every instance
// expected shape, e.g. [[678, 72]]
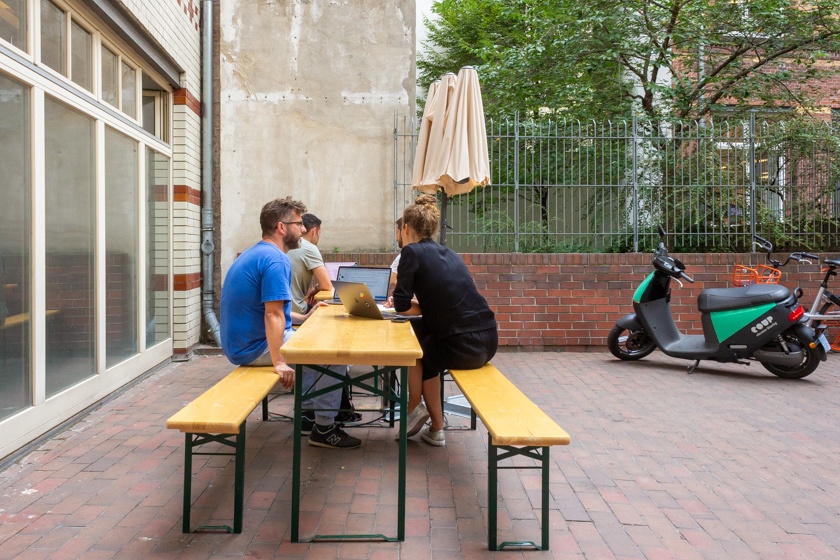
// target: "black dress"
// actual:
[[458, 328]]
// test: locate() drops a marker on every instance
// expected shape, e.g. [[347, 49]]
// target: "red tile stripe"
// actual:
[[183, 193], [186, 282], [184, 97]]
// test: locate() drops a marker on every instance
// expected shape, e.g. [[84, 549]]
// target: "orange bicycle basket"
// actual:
[[761, 274]]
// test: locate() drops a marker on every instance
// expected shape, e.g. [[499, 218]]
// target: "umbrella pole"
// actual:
[[443, 219]]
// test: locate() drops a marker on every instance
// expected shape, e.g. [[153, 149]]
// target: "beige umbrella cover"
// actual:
[[423, 136], [464, 145], [429, 158]]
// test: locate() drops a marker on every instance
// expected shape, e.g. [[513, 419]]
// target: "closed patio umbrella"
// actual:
[[454, 154], [429, 161]]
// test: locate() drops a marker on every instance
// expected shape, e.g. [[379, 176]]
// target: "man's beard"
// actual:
[[291, 241]]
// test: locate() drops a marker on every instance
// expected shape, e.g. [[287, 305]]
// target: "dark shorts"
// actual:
[[462, 351]]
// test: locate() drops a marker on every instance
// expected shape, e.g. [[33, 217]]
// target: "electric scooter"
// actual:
[[760, 322]]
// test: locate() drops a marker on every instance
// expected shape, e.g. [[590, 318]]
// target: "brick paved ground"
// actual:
[[730, 462]]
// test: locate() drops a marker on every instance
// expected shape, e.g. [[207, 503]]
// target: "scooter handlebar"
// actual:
[[686, 277]]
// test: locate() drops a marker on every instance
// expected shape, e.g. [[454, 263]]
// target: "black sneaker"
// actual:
[[334, 437], [307, 422], [348, 417]]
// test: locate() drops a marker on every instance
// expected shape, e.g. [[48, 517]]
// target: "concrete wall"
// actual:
[[308, 93]]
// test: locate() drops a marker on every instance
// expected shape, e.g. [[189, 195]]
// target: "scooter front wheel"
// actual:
[[629, 345]]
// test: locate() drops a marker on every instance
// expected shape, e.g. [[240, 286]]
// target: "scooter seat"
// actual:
[[725, 299]]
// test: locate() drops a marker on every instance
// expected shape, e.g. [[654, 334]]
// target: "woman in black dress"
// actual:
[[457, 329]]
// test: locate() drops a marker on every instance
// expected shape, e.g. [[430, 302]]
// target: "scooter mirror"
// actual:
[[661, 230]]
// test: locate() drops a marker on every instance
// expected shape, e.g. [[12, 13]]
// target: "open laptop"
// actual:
[[376, 279], [360, 302]]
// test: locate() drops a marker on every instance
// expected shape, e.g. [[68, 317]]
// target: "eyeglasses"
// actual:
[[297, 223]]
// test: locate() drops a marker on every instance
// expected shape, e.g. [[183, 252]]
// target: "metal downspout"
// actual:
[[207, 225]]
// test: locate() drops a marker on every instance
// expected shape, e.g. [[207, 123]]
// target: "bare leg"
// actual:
[[431, 394], [415, 386]]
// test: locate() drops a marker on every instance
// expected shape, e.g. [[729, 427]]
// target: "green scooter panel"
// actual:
[[727, 323]]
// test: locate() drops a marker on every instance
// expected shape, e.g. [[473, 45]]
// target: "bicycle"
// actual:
[[824, 312]]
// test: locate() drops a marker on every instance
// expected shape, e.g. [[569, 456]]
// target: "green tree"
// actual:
[[518, 48], [600, 58]]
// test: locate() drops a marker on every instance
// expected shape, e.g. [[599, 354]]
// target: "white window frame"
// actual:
[[28, 423]]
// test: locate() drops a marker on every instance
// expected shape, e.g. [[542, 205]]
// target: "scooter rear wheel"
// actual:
[[810, 359], [629, 345]]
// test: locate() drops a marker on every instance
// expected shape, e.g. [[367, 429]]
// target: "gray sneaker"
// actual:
[[415, 421], [438, 438], [333, 437]]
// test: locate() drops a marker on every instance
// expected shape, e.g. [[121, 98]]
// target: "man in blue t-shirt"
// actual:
[[256, 314]]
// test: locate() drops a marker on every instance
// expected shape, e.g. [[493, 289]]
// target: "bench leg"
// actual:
[[239, 480], [496, 454], [185, 527], [194, 440], [492, 498]]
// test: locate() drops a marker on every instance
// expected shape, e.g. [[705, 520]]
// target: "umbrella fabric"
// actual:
[[464, 144], [430, 160], [423, 136]]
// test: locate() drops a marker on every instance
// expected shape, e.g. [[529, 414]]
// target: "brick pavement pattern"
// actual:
[[730, 462]]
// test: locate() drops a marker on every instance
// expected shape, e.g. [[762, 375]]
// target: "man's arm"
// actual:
[[275, 327], [322, 282]]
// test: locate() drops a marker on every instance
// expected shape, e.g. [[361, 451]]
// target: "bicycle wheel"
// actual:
[[832, 326]]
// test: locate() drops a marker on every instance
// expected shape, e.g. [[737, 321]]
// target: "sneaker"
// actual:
[[333, 437], [415, 421], [348, 417], [307, 422], [438, 438]]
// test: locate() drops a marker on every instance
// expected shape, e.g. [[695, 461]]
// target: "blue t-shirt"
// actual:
[[260, 274]]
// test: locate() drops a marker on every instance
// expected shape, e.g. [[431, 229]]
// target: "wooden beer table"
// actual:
[[332, 337]]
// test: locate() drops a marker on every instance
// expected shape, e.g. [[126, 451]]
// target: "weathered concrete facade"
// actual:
[[308, 92]]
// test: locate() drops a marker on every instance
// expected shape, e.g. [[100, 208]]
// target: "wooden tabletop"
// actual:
[[332, 337]]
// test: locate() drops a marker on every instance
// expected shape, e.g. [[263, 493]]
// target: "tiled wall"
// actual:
[[571, 301], [175, 24]]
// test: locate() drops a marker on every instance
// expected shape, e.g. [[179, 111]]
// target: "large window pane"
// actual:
[[129, 90], [110, 77], [157, 234], [53, 37], [13, 22], [15, 379], [81, 50], [121, 232], [70, 244]]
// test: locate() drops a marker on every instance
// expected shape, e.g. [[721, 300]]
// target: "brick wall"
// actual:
[[571, 301]]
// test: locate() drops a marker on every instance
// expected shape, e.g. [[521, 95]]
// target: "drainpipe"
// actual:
[[207, 226]]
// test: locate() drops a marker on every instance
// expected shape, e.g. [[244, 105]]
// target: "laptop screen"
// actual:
[[376, 279]]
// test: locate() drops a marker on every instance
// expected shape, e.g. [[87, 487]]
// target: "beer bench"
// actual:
[[516, 427], [218, 416], [21, 318]]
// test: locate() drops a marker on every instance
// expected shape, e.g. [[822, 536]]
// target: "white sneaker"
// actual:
[[415, 420], [438, 438]]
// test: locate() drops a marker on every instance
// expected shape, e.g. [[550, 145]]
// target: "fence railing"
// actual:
[[570, 186]]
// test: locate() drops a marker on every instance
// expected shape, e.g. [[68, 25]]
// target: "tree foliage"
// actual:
[[605, 58]]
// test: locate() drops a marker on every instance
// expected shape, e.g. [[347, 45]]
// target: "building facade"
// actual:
[[99, 259]]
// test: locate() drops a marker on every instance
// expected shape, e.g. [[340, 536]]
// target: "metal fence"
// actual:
[[568, 186]]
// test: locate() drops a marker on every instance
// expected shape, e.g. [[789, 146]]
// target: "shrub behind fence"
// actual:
[[562, 186]]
